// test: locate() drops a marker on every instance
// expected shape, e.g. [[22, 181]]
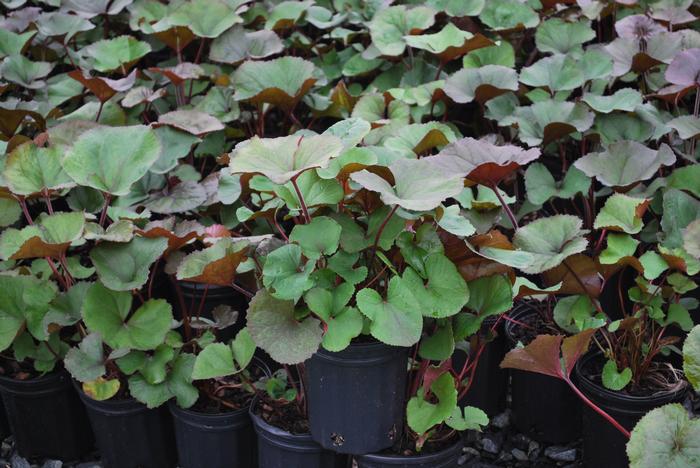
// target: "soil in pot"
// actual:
[[603, 445], [544, 407], [129, 435], [448, 457], [46, 416], [490, 387], [284, 441], [356, 397]]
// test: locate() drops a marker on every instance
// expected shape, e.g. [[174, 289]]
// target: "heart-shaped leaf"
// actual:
[[622, 213], [281, 82], [482, 83], [49, 236], [205, 18], [418, 184], [449, 43], [238, 44], [341, 323], [396, 321], [119, 53], [445, 293], [665, 436], [320, 237], [12, 43], [508, 14], [283, 159], [24, 301], [125, 266], [422, 413], [274, 328], [624, 163], [547, 121], [111, 159], [542, 244], [30, 170], [22, 71], [556, 73], [541, 186], [107, 312], [481, 161], [625, 99], [390, 26], [284, 274], [561, 37]]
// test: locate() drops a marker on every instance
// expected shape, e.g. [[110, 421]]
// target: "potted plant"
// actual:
[[216, 429], [41, 299]]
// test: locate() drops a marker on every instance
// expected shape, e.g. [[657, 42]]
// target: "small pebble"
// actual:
[[519, 454], [471, 451], [18, 462], [491, 444], [52, 464], [563, 454], [502, 420], [533, 450]]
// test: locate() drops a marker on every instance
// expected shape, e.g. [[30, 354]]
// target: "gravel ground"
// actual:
[[500, 445]]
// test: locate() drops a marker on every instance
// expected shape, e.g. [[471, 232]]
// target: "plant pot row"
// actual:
[[366, 382]]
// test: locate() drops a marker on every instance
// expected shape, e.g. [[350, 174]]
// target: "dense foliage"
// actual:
[[389, 170]]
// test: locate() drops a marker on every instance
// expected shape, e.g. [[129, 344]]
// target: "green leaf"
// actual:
[[283, 159], [556, 73], [65, 308], [622, 213], [550, 120], [281, 82], [178, 384], [542, 244], [342, 264], [680, 209], [468, 418], [679, 315], [619, 246], [419, 185], [342, 323], [560, 37], [439, 345], [238, 44], [274, 328], [625, 99], [624, 163], [691, 239], [118, 53], [500, 54], [123, 266], [614, 380], [59, 23], [574, 314], [390, 26], [286, 13], [24, 300], [687, 126], [12, 43], [22, 71], [508, 14], [453, 221], [86, 363], [49, 236], [205, 18], [448, 43], [111, 159], [482, 84], [315, 191], [458, 8], [243, 348], [665, 436], [284, 275], [488, 296], [541, 186], [422, 415], [107, 313], [691, 357], [320, 237], [10, 212], [653, 264], [398, 320], [215, 360], [445, 292]]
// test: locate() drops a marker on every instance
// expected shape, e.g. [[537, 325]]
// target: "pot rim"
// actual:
[[402, 459], [611, 396]]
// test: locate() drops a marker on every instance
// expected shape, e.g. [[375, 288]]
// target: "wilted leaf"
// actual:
[[214, 265]]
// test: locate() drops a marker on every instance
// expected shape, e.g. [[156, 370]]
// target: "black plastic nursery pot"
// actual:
[[281, 449], [214, 440], [4, 423], [356, 397], [603, 445], [490, 387], [46, 417], [544, 408], [447, 458], [129, 435]]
